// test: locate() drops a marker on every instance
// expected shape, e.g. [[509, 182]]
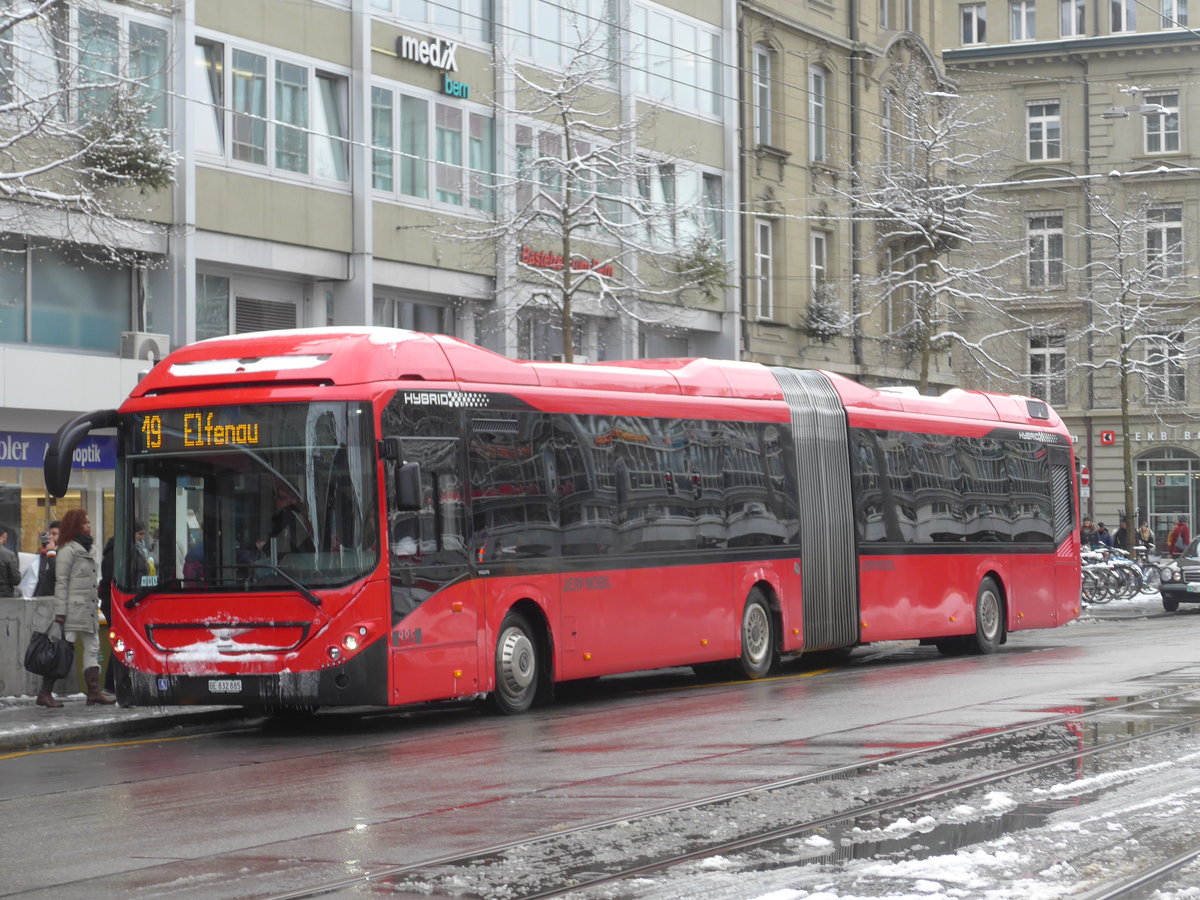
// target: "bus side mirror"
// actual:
[[408, 487]]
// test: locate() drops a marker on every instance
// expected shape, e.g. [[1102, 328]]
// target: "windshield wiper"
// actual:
[[183, 583], [145, 592], [305, 592]]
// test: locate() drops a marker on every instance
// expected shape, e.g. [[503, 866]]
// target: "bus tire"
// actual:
[[758, 637], [517, 675], [989, 619]]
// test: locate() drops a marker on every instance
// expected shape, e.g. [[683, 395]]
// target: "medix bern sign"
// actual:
[[436, 52]]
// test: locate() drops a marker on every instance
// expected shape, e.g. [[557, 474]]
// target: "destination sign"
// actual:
[[198, 429], [257, 427]]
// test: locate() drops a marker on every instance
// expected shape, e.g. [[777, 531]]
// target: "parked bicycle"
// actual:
[[1115, 575]]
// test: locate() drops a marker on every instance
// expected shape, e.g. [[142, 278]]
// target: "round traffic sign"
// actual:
[[1085, 477]]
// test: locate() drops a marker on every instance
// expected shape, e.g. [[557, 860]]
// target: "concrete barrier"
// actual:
[[19, 618]]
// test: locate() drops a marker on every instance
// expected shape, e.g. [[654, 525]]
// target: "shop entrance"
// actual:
[[1168, 482]]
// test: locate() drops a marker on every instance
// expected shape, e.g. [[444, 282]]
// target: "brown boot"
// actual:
[[45, 696], [91, 678]]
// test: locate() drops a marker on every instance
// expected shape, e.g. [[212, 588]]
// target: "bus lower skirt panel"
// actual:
[[360, 682]]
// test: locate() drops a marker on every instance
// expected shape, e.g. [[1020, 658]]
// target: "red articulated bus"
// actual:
[[377, 516]]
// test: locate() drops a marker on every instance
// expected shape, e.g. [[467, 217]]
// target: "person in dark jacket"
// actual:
[[10, 566], [46, 558]]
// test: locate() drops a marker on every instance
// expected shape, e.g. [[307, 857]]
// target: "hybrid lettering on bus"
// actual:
[[376, 516]]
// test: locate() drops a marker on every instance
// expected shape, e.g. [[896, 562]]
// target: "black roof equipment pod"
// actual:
[[57, 467]]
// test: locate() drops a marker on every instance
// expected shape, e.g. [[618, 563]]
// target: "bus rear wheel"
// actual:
[[989, 619], [517, 674], [758, 637]]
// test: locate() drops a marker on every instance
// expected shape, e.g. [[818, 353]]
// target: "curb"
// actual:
[[47, 732]]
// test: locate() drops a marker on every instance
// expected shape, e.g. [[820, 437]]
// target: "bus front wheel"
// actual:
[[758, 637], [516, 666]]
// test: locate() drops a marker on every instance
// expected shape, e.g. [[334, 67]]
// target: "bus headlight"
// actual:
[[334, 652], [118, 645], [350, 642]]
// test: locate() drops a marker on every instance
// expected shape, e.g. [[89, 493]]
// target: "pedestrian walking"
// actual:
[[77, 605], [1180, 537]]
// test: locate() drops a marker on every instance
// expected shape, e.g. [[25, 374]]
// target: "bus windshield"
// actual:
[[278, 496]]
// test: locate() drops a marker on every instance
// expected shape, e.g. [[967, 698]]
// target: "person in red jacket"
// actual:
[[1180, 537]]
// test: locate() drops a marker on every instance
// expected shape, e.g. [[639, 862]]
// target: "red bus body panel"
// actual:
[[598, 622]]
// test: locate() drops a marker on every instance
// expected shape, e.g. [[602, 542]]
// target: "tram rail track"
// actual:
[[575, 875]]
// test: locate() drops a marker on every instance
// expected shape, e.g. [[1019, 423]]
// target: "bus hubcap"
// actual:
[[517, 661], [755, 629], [989, 613]]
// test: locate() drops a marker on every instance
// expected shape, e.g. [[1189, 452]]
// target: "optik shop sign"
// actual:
[[23, 450]]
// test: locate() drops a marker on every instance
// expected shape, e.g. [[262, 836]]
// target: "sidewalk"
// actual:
[[1143, 606], [23, 724]]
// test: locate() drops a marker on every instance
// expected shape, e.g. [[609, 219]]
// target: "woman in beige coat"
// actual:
[[76, 604]]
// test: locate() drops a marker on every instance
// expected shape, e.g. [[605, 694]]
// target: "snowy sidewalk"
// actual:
[[24, 724]]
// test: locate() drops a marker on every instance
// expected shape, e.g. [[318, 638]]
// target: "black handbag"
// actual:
[[48, 657]]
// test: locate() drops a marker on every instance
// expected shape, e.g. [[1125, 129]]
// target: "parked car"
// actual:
[[1181, 578]]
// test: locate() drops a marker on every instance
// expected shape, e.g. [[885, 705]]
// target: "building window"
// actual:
[[675, 59], [973, 17], [1122, 15], [676, 204], [1165, 368], [212, 306], [1048, 368], [148, 67], [470, 18], [902, 300], [210, 117], [1162, 130], [1174, 14], [555, 33], [1071, 17], [818, 128], [431, 318], [1045, 250], [1021, 20], [283, 115], [762, 95], [383, 126], [818, 262], [459, 145], [714, 206], [764, 234], [1164, 242], [1044, 127]]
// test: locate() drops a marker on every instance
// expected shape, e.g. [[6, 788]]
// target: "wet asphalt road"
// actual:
[[256, 811]]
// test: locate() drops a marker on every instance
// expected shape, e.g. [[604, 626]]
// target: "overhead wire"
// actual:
[[733, 66]]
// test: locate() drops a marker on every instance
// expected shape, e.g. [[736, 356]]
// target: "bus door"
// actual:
[[434, 603]]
